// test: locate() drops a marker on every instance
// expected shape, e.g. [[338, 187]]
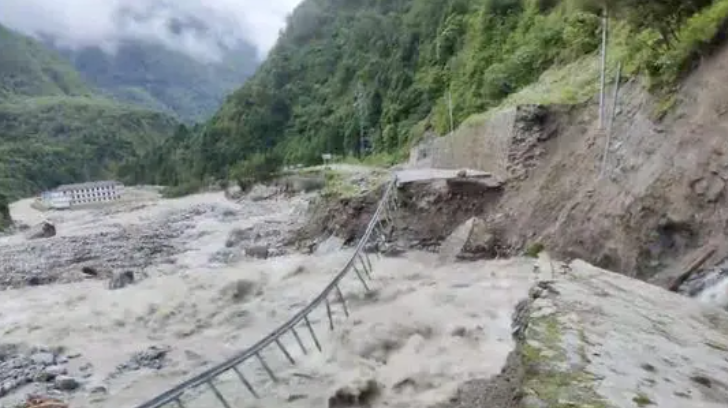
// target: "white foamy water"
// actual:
[[423, 331], [716, 294], [709, 286]]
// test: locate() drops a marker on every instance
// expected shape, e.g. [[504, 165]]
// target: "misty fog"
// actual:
[[197, 27]]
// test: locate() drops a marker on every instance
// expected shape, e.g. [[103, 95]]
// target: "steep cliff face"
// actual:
[[652, 205], [661, 195]]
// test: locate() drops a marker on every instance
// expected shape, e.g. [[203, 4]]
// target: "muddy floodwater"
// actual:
[[420, 333]]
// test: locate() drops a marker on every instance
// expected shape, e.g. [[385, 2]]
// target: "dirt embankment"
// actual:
[[346, 218], [659, 201], [427, 212], [579, 342], [661, 198]]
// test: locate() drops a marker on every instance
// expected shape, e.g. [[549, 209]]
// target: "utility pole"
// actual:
[[602, 90], [610, 124], [360, 105], [449, 108], [448, 96]]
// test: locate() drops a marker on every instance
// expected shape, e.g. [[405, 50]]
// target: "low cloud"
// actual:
[[200, 28]]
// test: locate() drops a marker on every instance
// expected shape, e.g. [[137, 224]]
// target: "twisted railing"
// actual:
[[359, 262]]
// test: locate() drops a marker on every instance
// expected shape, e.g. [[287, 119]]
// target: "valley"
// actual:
[[88, 113], [203, 290], [201, 299], [523, 199]]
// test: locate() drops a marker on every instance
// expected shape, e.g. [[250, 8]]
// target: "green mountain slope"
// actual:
[[54, 129], [28, 69], [155, 77], [384, 71]]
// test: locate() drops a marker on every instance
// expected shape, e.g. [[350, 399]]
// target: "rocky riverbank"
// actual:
[[140, 236], [590, 337], [217, 275], [227, 281], [60, 318]]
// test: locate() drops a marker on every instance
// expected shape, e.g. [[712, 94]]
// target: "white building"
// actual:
[[71, 195]]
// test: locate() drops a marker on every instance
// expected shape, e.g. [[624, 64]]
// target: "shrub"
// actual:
[[5, 219], [534, 249], [695, 38], [182, 190], [258, 168]]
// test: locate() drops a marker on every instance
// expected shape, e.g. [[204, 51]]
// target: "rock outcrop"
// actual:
[[470, 241], [121, 248], [43, 230], [43, 369], [589, 337], [121, 279]]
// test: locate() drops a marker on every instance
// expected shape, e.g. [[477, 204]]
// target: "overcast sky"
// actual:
[[105, 22]]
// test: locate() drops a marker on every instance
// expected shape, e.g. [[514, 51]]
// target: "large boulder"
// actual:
[[472, 240], [239, 235], [258, 251], [43, 230], [260, 192], [233, 192], [121, 279], [590, 337]]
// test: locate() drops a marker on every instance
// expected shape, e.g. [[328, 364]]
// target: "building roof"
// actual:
[[92, 184]]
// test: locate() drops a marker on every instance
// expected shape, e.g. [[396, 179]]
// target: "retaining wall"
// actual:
[[479, 146]]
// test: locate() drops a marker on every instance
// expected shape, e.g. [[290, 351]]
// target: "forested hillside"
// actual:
[[158, 78], [54, 128], [384, 69], [28, 69]]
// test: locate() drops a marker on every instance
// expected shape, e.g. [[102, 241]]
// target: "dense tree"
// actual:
[[54, 129], [5, 219], [384, 72]]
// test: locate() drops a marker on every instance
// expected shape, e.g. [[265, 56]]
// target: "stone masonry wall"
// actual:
[[483, 146]]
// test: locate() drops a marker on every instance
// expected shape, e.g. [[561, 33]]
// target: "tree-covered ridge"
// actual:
[[157, 78], [28, 69], [5, 220], [54, 129], [386, 70], [47, 141]]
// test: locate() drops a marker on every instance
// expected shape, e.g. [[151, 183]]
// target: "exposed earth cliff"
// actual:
[[654, 214]]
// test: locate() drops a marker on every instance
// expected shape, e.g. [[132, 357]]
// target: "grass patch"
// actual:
[[664, 105], [543, 356], [696, 37], [182, 190], [642, 400], [570, 84], [342, 185], [380, 159], [533, 250], [338, 186]]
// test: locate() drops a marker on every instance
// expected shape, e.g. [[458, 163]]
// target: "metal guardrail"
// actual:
[[359, 262]]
